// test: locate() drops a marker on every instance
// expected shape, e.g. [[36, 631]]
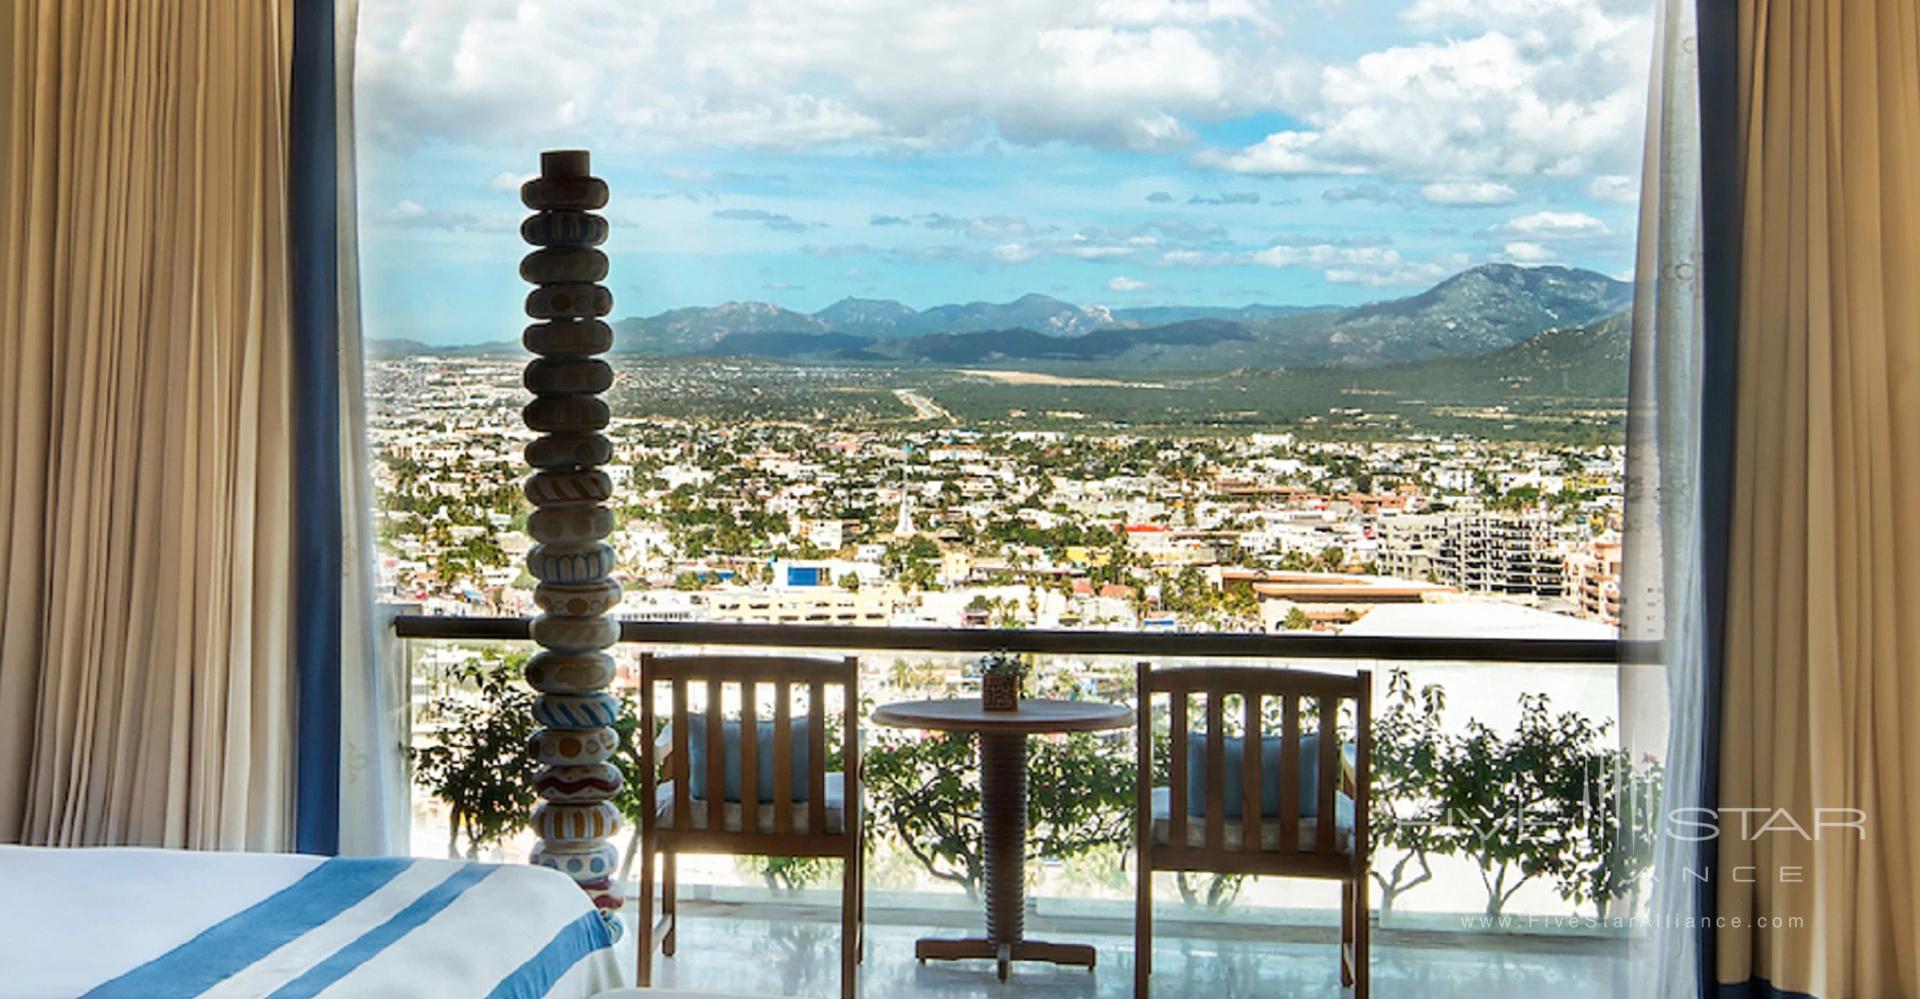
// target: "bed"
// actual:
[[154, 924]]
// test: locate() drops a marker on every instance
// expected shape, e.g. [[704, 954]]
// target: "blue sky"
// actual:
[[1120, 152]]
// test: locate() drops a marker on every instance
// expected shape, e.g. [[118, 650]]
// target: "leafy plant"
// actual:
[[480, 766], [1003, 664], [926, 791], [789, 873], [1622, 811], [1215, 891], [1409, 753], [1513, 804]]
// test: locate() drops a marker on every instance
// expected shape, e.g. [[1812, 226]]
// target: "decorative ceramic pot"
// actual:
[[1000, 693]]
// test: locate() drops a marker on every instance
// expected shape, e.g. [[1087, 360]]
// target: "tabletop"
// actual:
[[964, 714]]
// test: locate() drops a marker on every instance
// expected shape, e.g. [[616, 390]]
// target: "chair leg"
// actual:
[[849, 928], [1346, 932], [643, 921], [1142, 928], [860, 903], [1362, 973], [669, 900]]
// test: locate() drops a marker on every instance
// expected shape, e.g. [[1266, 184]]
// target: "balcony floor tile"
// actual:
[[725, 949]]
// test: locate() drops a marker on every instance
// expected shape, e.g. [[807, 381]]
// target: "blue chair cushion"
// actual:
[[1234, 799], [730, 765]]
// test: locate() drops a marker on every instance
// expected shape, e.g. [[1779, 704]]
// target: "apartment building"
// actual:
[[1479, 551]]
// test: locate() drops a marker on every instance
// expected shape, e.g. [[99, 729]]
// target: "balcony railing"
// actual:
[[1045, 641]]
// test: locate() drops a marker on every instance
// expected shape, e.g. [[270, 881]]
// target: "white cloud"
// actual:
[[1013, 253], [1094, 251], [1614, 187], [1550, 88], [1468, 192], [508, 181], [1530, 253], [409, 214], [1126, 284], [1552, 225], [776, 221], [976, 226], [1565, 16], [1279, 153], [1122, 74], [1372, 265]]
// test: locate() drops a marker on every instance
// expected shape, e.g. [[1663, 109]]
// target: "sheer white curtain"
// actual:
[[1663, 698], [374, 691]]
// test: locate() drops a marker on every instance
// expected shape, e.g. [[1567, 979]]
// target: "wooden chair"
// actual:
[[1282, 841], [825, 821]]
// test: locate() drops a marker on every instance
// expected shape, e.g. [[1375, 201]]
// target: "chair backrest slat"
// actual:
[[1252, 819], [1177, 769], [1362, 773], [749, 758], [1289, 772], [782, 758], [682, 759], [1216, 770], [716, 757], [850, 746], [1323, 826], [816, 757], [1143, 761], [645, 737]]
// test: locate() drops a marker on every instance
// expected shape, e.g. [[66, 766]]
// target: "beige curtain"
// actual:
[[145, 689], [1821, 697]]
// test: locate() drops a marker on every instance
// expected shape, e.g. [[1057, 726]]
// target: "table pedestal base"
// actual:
[[978, 948], [1003, 827]]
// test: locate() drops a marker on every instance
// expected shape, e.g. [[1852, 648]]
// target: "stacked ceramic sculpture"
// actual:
[[571, 560]]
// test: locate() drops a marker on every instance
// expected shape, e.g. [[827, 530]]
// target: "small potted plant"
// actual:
[[1000, 677]]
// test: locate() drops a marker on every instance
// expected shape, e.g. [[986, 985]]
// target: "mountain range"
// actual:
[[1477, 312]]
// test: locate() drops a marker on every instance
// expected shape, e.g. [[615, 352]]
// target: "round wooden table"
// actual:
[[1003, 814]]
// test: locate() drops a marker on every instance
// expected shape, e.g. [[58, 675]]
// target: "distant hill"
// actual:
[[1585, 361], [1555, 385], [1156, 315], [1040, 313], [867, 315], [399, 347], [403, 347], [1475, 313], [1472, 313], [1578, 362], [696, 329]]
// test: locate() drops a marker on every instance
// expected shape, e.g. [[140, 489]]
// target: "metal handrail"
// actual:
[[1157, 644]]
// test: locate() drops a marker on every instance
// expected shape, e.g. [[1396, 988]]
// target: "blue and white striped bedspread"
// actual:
[[152, 924]]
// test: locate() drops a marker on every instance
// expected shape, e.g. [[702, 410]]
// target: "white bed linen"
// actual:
[[160, 923]]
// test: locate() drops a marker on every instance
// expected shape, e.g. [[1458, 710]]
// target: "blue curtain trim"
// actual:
[[1718, 27], [1757, 988], [312, 197]]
